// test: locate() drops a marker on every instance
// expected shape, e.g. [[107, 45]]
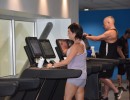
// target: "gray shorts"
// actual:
[[77, 82]]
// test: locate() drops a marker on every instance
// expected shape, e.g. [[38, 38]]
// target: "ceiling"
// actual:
[[104, 4]]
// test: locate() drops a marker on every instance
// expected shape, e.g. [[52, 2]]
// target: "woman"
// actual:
[[76, 59]]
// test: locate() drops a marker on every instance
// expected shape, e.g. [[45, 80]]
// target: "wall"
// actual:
[[92, 22], [48, 8]]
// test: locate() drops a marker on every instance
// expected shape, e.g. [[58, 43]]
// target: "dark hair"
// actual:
[[77, 29], [127, 31]]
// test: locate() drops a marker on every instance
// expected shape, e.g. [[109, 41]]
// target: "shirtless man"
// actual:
[[108, 49]]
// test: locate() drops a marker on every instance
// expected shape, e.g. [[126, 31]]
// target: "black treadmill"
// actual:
[[8, 88], [52, 81], [93, 84], [11, 86]]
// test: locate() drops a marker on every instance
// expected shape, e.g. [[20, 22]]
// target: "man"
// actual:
[[123, 52], [107, 50]]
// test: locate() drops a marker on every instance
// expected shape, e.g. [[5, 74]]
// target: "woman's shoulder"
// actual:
[[77, 45]]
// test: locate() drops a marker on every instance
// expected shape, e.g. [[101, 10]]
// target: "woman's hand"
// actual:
[[49, 65]]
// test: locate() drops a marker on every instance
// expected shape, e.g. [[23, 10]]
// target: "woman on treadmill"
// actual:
[[76, 59]]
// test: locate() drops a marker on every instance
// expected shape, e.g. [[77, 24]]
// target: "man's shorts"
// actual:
[[128, 72], [121, 69], [106, 73]]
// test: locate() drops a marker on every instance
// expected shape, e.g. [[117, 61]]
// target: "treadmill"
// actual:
[[52, 80]]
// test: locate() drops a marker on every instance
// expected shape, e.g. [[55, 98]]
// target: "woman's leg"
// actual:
[[80, 93], [70, 91]]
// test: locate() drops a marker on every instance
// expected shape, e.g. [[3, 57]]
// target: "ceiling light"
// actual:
[[86, 9]]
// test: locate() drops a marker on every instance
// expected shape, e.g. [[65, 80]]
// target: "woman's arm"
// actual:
[[72, 54]]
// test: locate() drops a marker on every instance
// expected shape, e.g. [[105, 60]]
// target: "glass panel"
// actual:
[[5, 49], [22, 30]]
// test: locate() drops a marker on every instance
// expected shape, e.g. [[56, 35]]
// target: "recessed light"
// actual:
[[86, 9]]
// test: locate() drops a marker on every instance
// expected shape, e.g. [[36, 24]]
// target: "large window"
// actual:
[[22, 30], [5, 48], [12, 41]]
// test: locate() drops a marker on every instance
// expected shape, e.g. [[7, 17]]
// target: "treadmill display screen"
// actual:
[[47, 48], [64, 45], [35, 47]]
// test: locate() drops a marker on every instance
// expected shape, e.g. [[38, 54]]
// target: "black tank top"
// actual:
[[112, 49]]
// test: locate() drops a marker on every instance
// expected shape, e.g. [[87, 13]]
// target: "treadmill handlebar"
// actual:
[[55, 73]]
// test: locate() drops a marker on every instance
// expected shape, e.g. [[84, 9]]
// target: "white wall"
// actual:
[[51, 8]]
